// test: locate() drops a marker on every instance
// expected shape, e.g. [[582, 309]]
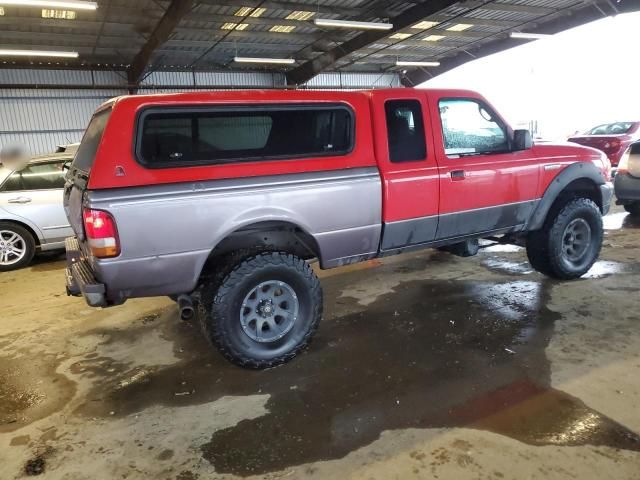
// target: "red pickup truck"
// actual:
[[220, 199]]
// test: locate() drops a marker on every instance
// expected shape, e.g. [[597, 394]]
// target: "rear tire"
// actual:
[[633, 209], [569, 243], [17, 247], [261, 311]]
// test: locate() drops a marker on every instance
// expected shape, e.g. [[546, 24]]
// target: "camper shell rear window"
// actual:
[[187, 136], [86, 154]]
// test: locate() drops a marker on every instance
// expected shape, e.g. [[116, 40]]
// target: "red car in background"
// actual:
[[611, 138]]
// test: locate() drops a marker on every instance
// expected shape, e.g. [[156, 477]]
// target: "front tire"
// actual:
[[633, 209], [569, 243], [263, 310], [17, 247]]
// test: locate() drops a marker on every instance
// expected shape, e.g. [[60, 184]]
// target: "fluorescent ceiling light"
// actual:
[[327, 22], [424, 25], [301, 15], [234, 26], [400, 36], [528, 36], [243, 11], [58, 14], [281, 61], [257, 12], [282, 28], [250, 11], [460, 27], [70, 4], [401, 63], [36, 53], [433, 38]]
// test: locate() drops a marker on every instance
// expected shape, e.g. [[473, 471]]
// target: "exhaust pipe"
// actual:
[[185, 307]]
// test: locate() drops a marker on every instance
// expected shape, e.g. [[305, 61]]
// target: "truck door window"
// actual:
[[470, 128], [224, 135], [405, 131]]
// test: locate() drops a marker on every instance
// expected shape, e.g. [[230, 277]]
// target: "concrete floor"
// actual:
[[425, 366]]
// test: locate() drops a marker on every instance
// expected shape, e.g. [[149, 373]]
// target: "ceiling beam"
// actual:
[[559, 22], [175, 12], [309, 69]]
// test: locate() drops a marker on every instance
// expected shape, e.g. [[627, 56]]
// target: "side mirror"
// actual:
[[522, 140], [14, 157]]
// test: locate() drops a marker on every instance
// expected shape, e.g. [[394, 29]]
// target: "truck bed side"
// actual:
[[174, 228]]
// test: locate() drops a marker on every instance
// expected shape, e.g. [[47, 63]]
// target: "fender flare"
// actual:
[[575, 171]]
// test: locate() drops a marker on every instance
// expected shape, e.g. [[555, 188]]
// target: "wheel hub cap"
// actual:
[[13, 247], [269, 311], [576, 240]]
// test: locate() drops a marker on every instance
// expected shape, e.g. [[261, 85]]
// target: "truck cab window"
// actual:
[[469, 128], [405, 131]]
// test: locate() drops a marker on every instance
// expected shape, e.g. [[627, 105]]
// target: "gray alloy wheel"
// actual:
[[269, 311], [17, 247], [13, 248], [576, 241]]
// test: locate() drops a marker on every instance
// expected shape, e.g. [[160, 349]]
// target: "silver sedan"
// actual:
[[32, 217]]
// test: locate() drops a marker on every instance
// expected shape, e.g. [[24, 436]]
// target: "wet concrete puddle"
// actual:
[[432, 354]]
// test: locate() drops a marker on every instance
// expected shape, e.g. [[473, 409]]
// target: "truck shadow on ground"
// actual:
[[432, 354]]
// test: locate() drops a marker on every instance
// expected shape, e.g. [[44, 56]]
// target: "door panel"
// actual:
[[35, 194], [480, 190], [410, 184]]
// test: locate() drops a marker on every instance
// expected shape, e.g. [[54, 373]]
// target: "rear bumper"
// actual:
[[606, 191], [80, 279], [627, 188]]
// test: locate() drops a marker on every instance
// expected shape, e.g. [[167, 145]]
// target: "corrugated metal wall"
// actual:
[[45, 117]]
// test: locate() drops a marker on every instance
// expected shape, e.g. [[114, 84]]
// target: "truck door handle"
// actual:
[[19, 200], [457, 175]]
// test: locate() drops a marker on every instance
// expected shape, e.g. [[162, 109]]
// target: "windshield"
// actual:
[[86, 153], [617, 128]]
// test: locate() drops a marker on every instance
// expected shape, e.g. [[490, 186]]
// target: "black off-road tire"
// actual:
[[29, 243], [633, 209], [222, 296], [545, 246]]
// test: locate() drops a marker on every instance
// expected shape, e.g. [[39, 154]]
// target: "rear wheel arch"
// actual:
[[265, 236]]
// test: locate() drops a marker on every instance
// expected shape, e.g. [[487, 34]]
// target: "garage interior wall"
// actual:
[[40, 118]]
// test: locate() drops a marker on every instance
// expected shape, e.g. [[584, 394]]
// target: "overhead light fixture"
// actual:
[[58, 14], [433, 38], [528, 36], [280, 61], [250, 11], [460, 27], [36, 53], [400, 36], [401, 63], [327, 22], [301, 15], [425, 24], [243, 11], [282, 28], [234, 26], [257, 12], [70, 4]]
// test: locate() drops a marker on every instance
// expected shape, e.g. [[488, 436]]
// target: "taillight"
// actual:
[[101, 232]]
